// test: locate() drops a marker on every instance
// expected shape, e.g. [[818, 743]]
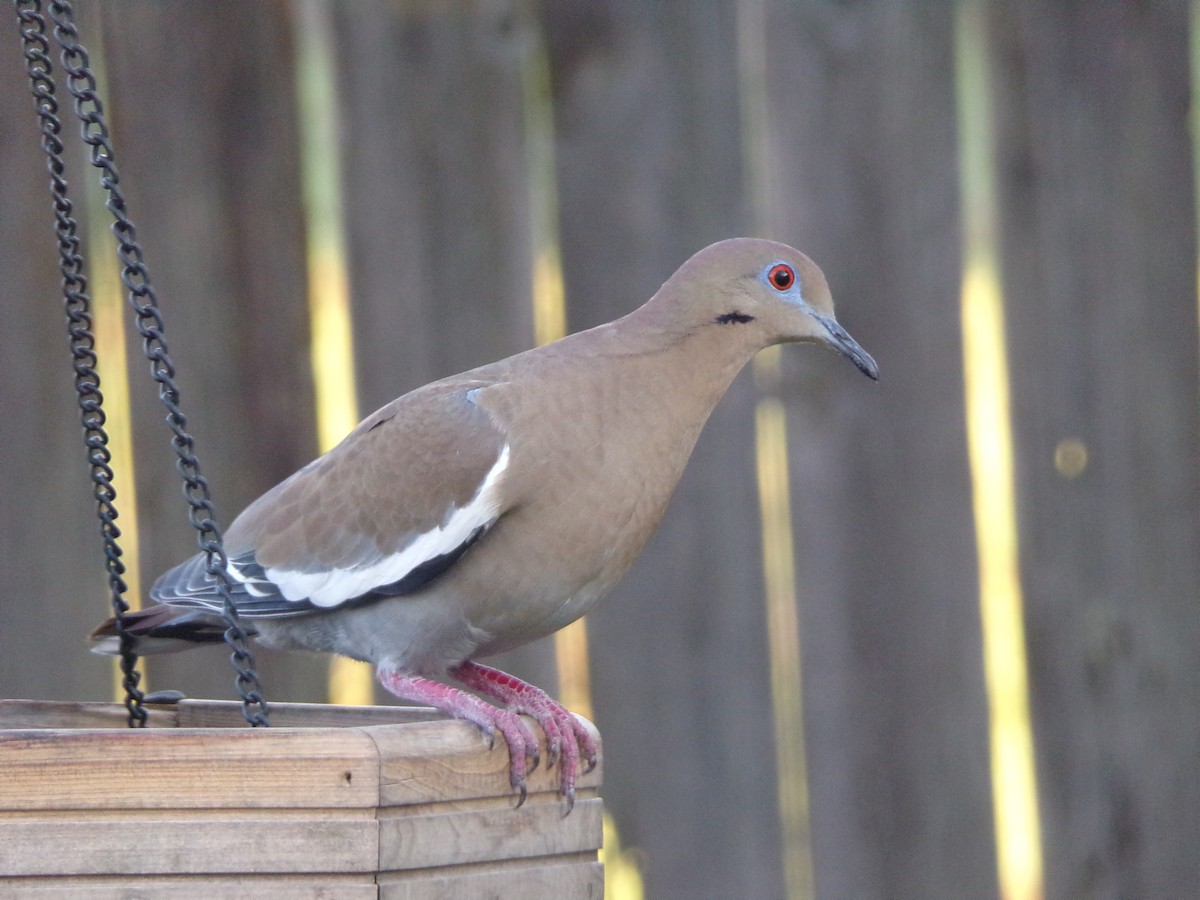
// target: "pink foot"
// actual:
[[566, 738], [522, 745]]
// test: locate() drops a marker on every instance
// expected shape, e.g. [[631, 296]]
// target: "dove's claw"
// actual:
[[566, 738], [522, 745], [565, 735]]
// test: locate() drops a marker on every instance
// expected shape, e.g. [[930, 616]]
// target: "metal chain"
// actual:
[[148, 320], [82, 342], [136, 278]]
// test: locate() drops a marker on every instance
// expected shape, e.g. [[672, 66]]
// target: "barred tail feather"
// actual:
[[160, 629]]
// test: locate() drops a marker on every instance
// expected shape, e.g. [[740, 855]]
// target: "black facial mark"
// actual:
[[733, 318]]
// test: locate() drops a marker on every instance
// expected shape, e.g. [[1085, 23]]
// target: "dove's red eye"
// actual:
[[782, 276]]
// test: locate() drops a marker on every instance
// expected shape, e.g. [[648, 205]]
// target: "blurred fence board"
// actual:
[[895, 705], [436, 187], [50, 560], [1099, 240], [1100, 272]]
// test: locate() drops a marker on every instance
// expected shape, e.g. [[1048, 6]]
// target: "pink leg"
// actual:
[[565, 736], [520, 740]]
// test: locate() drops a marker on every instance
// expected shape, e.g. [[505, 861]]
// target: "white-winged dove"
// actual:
[[494, 507]]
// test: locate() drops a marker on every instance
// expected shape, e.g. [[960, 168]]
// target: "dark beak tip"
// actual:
[[841, 341], [863, 361]]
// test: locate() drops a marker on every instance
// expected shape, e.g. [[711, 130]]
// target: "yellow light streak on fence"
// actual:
[[774, 488], [109, 326], [783, 637], [110, 316], [990, 446], [350, 682]]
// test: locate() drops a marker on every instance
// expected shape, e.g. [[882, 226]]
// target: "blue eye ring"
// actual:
[[781, 276]]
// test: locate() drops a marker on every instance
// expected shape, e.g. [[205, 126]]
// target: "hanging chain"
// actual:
[[148, 320], [82, 343], [136, 278]]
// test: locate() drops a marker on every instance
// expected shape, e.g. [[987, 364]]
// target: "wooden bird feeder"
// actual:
[[330, 802]]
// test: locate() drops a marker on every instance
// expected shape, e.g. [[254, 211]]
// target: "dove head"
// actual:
[[770, 292]]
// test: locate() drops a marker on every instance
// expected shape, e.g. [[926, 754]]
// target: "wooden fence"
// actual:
[[834, 127]]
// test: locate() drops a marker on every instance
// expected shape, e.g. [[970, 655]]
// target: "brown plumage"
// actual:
[[491, 508]]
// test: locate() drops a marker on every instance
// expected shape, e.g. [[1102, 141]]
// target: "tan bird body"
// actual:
[[494, 507]]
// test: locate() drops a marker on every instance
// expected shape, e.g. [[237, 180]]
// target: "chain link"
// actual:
[[82, 342], [148, 320]]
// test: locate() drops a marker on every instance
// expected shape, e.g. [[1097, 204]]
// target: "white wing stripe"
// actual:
[[328, 589]]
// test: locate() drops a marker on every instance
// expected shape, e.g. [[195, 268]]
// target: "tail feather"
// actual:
[[160, 629]]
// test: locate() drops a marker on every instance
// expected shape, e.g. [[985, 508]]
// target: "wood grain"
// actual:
[[179, 768], [579, 881], [244, 887], [474, 834], [201, 714], [188, 846]]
